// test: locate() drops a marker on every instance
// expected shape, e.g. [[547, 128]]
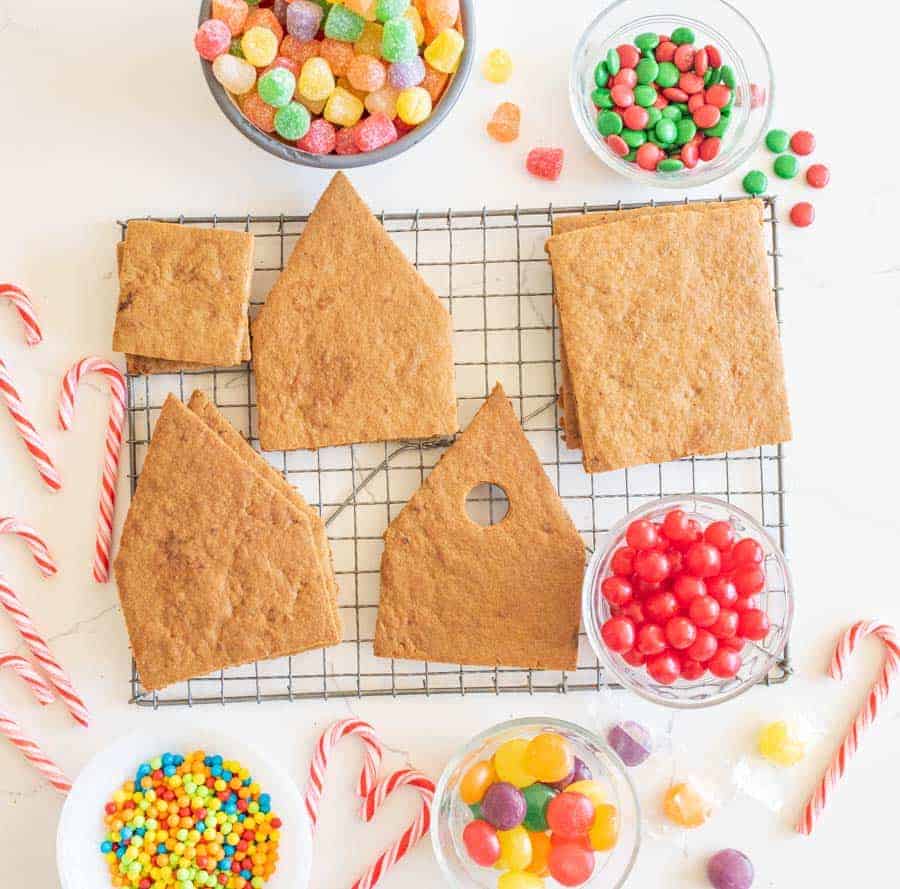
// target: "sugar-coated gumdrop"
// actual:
[[316, 80], [475, 782], [402, 75], [540, 853], [442, 14], [345, 84], [509, 763], [343, 24], [497, 66], [314, 107], [415, 19], [571, 864], [338, 55], [276, 87], [414, 105], [364, 8], [236, 75], [398, 41], [259, 46], [778, 742], [345, 141], [390, 9], [570, 815], [515, 849], [282, 62], [517, 879], [375, 131], [366, 73], [383, 101], [299, 50], [549, 757], [292, 121], [233, 12], [304, 18], [730, 869], [343, 108], [369, 43], [604, 832], [631, 741], [435, 81], [258, 112], [545, 163], [445, 50], [685, 806], [504, 805], [212, 39], [264, 18], [482, 843], [537, 797], [319, 139], [580, 772]]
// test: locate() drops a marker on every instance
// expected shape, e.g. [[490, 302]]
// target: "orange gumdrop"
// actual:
[[264, 18], [258, 112], [504, 123], [338, 54]]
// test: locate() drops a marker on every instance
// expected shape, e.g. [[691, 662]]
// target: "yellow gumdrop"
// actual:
[[343, 108], [476, 781], [509, 763], [685, 806], [383, 101], [414, 107], [316, 82], [779, 744], [593, 790], [444, 51], [497, 66], [515, 849], [415, 19], [516, 879], [604, 832], [369, 43], [259, 46], [549, 757]]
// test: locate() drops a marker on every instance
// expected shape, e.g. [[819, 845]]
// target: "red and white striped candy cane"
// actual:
[[20, 299], [45, 561], [113, 447], [334, 734], [13, 731], [816, 804], [390, 856], [38, 647]]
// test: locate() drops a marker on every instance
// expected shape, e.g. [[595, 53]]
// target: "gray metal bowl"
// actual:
[[344, 161]]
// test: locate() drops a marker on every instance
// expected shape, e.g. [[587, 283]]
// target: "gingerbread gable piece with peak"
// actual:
[[453, 591], [352, 345]]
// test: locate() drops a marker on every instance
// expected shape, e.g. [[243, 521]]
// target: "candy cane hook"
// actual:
[[11, 729], [113, 447], [816, 804], [35, 543], [24, 306]]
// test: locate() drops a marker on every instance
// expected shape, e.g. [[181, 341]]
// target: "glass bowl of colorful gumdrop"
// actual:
[[533, 803], [336, 85], [689, 603], [667, 99]]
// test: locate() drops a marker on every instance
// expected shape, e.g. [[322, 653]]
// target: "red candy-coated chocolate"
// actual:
[[684, 57], [714, 56], [690, 155], [629, 55], [803, 214], [626, 77], [701, 61], [622, 95], [707, 116], [709, 148], [691, 83], [665, 52], [803, 142], [648, 156], [818, 175], [618, 145], [635, 118], [698, 100], [719, 95], [674, 94]]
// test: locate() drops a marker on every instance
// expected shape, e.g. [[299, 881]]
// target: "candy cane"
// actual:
[[13, 731], [387, 859], [113, 447], [38, 647], [20, 299], [45, 562], [816, 804], [373, 750]]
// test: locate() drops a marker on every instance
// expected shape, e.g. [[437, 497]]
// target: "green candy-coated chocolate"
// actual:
[[644, 95], [653, 116], [786, 166], [777, 140], [685, 130], [667, 75], [669, 165], [755, 182], [682, 107], [647, 40], [609, 123], [634, 138], [601, 75], [672, 112], [631, 156], [613, 62], [728, 78], [646, 70], [292, 121], [601, 98], [712, 76], [682, 35], [665, 131], [537, 798], [719, 129]]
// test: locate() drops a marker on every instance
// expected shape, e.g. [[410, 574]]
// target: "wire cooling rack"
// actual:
[[491, 272]]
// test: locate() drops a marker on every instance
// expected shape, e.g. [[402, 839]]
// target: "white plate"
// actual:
[[78, 858]]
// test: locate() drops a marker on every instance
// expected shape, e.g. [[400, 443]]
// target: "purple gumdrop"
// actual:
[[730, 869], [580, 772], [631, 741], [504, 806], [402, 75], [303, 19], [279, 10]]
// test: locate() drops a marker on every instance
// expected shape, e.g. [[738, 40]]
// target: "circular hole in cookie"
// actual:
[[487, 505]]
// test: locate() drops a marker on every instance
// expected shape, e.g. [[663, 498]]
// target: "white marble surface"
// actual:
[[107, 116]]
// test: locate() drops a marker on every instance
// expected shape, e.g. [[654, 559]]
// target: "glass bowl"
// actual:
[[288, 152], [713, 22], [758, 657], [451, 814]]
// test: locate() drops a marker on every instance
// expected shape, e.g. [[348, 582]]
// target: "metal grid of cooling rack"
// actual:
[[490, 270]]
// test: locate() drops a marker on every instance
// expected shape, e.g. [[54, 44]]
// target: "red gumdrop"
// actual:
[[803, 142], [212, 39], [648, 156], [545, 163], [570, 815], [629, 55], [803, 214], [664, 668], [319, 138], [618, 145], [376, 131], [707, 116], [571, 864], [684, 57], [818, 175], [345, 141], [718, 94], [482, 843], [709, 148]]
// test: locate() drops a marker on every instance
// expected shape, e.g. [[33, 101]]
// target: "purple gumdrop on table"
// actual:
[[504, 806], [303, 19], [580, 772], [402, 75], [631, 741], [730, 869]]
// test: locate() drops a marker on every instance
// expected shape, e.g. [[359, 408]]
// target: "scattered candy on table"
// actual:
[[778, 742], [755, 182], [545, 163], [504, 123], [497, 66], [537, 812], [803, 214], [818, 175], [777, 141], [684, 598], [786, 166], [686, 806], [343, 64], [631, 741], [730, 869], [190, 821], [803, 142]]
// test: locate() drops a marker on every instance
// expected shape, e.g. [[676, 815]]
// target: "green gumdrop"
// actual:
[[786, 166], [755, 182], [537, 798], [398, 41], [390, 9], [667, 75], [235, 48], [344, 24], [276, 87], [682, 35], [292, 121]]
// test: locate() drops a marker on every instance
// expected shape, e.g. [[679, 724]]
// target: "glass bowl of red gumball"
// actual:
[[690, 602], [667, 99], [531, 800]]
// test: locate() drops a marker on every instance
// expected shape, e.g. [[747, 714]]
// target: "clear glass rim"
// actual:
[[681, 178], [443, 785], [590, 616]]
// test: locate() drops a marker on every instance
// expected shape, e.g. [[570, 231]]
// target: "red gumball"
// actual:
[[652, 566], [726, 624], [664, 668], [754, 624], [570, 815], [650, 640], [618, 634], [704, 647], [616, 590], [482, 843], [676, 525], [723, 590], [622, 561], [634, 658], [661, 606], [687, 588], [720, 534], [704, 611], [749, 580], [745, 603], [641, 534], [724, 663], [691, 669], [570, 864], [747, 552], [733, 643], [680, 633], [703, 560], [676, 560], [634, 611]]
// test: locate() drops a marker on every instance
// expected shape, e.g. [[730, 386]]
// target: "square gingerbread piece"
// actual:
[[671, 336], [184, 293]]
